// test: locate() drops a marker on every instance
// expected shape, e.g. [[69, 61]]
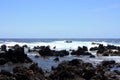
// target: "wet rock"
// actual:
[[35, 68], [61, 53], [18, 56], [4, 72], [111, 47], [85, 48], [3, 48], [93, 48], [81, 51], [4, 77], [112, 75], [92, 56], [107, 64], [75, 62], [56, 59], [68, 41], [109, 50], [106, 54], [28, 73], [16, 46], [20, 69], [101, 48], [116, 53], [37, 56], [95, 43], [72, 70], [15, 56], [116, 71], [25, 46], [20, 73], [54, 47], [3, 61], [46, 51]]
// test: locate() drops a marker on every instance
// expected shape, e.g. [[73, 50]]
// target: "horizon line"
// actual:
[[59, 38]]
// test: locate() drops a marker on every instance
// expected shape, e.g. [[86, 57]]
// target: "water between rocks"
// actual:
[[47, 62]]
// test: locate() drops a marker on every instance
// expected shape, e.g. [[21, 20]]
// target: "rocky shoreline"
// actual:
[[75, 69]]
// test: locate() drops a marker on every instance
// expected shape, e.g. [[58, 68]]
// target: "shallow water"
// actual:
[[9, 67], [47, 62]]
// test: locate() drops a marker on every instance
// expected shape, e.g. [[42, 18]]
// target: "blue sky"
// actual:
[[59, 18]]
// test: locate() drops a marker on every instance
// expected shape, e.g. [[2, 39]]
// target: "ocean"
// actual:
[[59, 43], [47, 62], [30, 40]]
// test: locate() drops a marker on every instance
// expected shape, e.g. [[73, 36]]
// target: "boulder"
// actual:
[[101, 48], [46, 51], [81, 51], [15, 56], [75, 69], [93, 48], [3, 48], [32, 72], [107, 63], [56, 59], [92, 56], [61, 53], [3, 61]]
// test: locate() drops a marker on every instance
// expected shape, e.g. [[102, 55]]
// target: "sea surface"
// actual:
[[30, 40], [47, 62]]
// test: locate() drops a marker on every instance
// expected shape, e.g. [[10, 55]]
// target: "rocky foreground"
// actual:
[[75, 69], [67, 70]]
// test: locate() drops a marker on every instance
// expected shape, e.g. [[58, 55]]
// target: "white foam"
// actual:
[[60, 45]]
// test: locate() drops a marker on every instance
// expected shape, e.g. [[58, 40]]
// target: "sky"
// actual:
[[59, 18]]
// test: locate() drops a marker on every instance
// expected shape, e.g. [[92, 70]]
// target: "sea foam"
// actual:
[[60, 45]]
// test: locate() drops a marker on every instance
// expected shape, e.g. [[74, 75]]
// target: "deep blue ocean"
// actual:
[[30, 40]]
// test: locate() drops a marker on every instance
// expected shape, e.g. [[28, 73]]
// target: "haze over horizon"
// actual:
[[59, 18]]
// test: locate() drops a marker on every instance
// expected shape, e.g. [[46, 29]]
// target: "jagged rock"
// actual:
[[3, 61], [56, 59], [61, 53], [93, 48], [15, 56], [107, 63], [46, 51], [72, 70], [29, 73], [81, 51], [92, 56], [3, 48]]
